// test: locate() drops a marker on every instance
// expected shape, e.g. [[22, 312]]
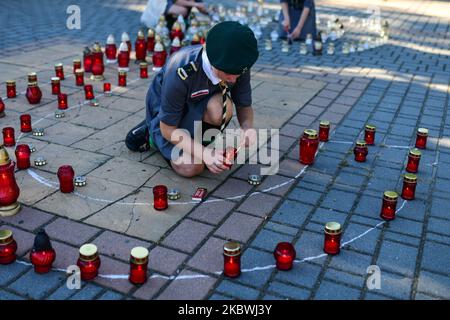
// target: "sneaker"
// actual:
[[137, 138]]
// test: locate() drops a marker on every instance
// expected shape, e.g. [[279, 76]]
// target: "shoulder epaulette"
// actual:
[[187, 70]]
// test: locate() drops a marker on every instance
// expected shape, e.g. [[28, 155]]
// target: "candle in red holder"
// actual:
[[9, 190], [59, 71], [332, 244], [8, 247], [159, 56], [195, 39], [65, 177], [369, 134], [97, 63], [360, 151], [284, 255], [123, 57], [308, 146], [126, 39], [23, 156], [409, 186], [88, 261], [140, 46], [32, 77], [421, 139], [56, 85], [25, 123], [87, 59], [176, 31], [79, 77], [2, 108], [413, 160], [176, 45], [150, 40], [122, 79], [230, 154], [62, 101], [43, 255], [160, 197], [138, 265], [143, 67], [89, 92], [107, 89], [389, 205], [34, 93], [11, 89], [76, 65], [8, 137], [111, 50], [324, 130], [231, 259]]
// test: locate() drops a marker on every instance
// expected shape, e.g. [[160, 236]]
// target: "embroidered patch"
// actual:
[[199, 93]]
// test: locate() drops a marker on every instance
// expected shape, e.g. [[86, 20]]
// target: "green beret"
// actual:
[[231, 47]]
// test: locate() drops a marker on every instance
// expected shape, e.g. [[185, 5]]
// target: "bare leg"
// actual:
[[176, 10]]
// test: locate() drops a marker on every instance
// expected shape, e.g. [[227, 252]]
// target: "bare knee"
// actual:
[[213, 114], [188, 170]]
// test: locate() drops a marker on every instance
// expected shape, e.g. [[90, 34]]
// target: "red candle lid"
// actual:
[[6, 236]]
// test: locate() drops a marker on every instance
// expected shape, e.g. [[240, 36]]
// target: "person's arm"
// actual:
[[287, 20], [308, 4]]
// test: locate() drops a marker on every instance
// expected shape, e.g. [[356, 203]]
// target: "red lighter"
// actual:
[[199, 194]]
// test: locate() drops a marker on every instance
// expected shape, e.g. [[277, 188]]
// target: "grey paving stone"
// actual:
[[279, 228], [4, 295], [272, 297], [305, 196], [255, 258], [395, 286], [373, 296], [268, 240], [237, 290], [87, 293], [62, 293], [397, 258], [413, 241], [302, 274], [305, 185], [406, 226], [326, 165], [332, 291], [292, 213], [436, 257], [338, 200], [323, 215], [346, 278], [11, 271], [289, 291], [110, 295], [369, 206], [37, 286], [365, 244], [217, 296], [434, 284]]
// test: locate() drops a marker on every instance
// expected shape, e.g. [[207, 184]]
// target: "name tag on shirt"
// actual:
[[199, 93]]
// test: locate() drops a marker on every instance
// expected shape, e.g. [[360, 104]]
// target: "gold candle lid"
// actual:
[[122, 73], [32, 84], [79, 71], [410, 177], [361, 143], [4, 156], [391, 195], [310, 133], [231, 249], [150, 33], [415, 152], [97, 47], [140, 34], [324, 123], [143, 64], [76, 60], [32, 74], [58, 65], [88, 252], [370, 127], [55, 79], [333, 228], [5, 236], [139, 255], [422, 131], [10, 82]]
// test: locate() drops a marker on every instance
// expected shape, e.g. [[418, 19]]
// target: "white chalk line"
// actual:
[[198, 276]]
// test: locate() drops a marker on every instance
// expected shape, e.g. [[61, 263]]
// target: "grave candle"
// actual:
[[232, 259]]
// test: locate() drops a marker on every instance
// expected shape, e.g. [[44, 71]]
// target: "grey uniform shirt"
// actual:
[[178, 102]]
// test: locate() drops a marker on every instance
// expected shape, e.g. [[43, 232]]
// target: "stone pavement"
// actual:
[[397, 87]]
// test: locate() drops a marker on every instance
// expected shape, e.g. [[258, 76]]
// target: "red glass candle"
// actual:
[[2, 108], [42, 255], [140, 47], [25, 123], [332, 244], [409, 186], [308, 146], [8, 247], [413, 160], [369, 134], [159, 57], [284, 256], [87, 59], [176, 45], [389, 205], [143, 67], [123, 56], [88, 261], [8, 137], [421, 138], [125, 38], [150, 40], [360, 151], [160, 197], [176, 32], [97, 63], [89, 92], [111, 49], [56, 85], [195, 39], [122, 79], [9, 190], [230, 154], [62, 101], [138, 265], [32, 77], [11, 89], [65, 176], [324, 130], [79, 77], [231, 259], [76, 65], [23, 156], [59, 71], [34, 93], [107, 88]]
